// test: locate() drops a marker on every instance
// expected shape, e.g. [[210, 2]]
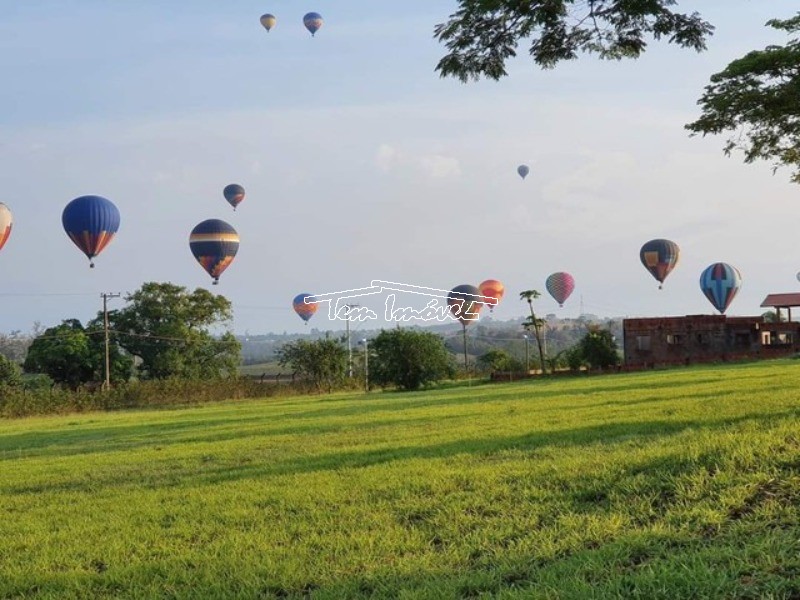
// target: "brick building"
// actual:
[[708, 338]]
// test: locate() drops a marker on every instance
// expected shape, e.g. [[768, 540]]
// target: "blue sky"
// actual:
[[360, 163]]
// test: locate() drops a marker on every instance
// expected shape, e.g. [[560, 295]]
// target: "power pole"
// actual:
[[349, 346], [106, 296]]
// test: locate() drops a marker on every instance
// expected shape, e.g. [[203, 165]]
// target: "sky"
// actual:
[[361, 163]]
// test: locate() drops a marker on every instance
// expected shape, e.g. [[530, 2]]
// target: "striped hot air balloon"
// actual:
[[91, 223], [214, 244], [6, 222], [560, 285]]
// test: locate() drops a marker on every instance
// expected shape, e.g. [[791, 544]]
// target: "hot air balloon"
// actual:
[[798, 274], [234, 194], [91, 222], [560, 286], [464, 303], [6, 222], [214, 244], [492, 289], [523, 170], [312, 21], [720, 283], [305, 309], [268, 21], [659, 257]]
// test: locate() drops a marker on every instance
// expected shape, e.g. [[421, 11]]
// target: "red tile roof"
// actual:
[[781, 300]]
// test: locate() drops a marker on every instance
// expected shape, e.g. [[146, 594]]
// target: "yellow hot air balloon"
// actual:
[[268, 21]]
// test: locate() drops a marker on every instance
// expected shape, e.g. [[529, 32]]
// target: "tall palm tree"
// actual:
[[532, 321]]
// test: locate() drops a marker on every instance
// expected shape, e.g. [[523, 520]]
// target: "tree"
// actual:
[[534, 323], [62, 352], [323, 361], [167, 327], [499, 360], [10, 373], [757, 99], [481, 35], [409, 359], [599, 349]]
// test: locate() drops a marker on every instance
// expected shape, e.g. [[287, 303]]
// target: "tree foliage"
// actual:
[[322, 361], [72, 355], [599, 349], [409, 359], [483, 34], [168, 328], [756, 98], [499, 360], [10, 373]]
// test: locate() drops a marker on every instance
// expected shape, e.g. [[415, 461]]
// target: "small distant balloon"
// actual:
[[234, 194], [720, 283], [6, 222], [659, 257], [214, 243], [798, 276], [268, 21], [523, 170], [91, 223], [560, 285], [305, 309], [464, 303], [312, 21], [492, 289]]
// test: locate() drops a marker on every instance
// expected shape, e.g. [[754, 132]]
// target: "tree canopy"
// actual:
[[169, 329], [409, 359], [756, 98], [483, 34], [323, 361]]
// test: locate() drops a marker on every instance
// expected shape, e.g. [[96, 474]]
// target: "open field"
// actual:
[[655, 485]]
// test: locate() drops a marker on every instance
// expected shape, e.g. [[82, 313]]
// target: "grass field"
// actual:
[[653, 485]]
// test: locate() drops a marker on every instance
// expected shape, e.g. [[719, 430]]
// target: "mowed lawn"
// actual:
[[667, 484]]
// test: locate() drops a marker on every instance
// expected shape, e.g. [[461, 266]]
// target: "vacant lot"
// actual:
[[667, 484]]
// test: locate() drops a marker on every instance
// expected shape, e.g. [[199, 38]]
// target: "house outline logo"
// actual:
[[341, 305]]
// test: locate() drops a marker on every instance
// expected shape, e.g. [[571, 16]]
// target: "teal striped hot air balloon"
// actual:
[[720, 283]]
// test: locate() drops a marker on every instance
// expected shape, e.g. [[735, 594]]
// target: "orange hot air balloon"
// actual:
[[492, 288]]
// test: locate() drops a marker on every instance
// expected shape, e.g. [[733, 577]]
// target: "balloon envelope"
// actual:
[[523, 170], [234, 194], [6, 222], [720, 283], [268, 21], [305, 309], [312, 21], [560, 285], [464, 303], [91, 223], [214, 244], [659, 257], [798, 276], [493, 289]]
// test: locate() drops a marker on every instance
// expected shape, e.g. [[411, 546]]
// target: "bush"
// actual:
[[10, 373], [599, 349], [499, 360], [409, 359]]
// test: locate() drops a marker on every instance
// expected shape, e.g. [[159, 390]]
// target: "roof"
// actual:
[[781, 300]]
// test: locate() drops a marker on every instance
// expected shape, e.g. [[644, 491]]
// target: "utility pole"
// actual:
[[527, 356], [106, 296], [366, 364], [349, 346]]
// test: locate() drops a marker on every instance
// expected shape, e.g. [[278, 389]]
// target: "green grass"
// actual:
[[648, 485]]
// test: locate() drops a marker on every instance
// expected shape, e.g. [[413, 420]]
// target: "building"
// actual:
[[664, 341]]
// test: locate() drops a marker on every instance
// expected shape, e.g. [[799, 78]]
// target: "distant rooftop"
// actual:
[[781, 300]]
